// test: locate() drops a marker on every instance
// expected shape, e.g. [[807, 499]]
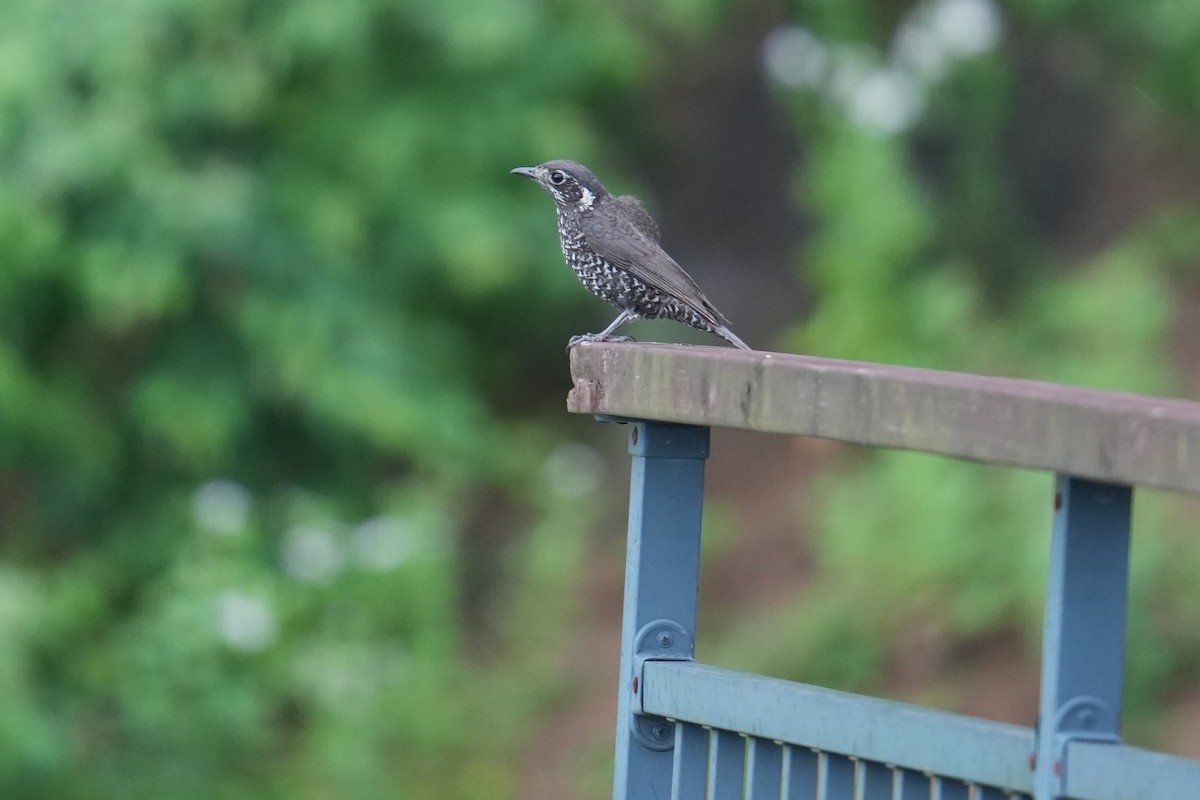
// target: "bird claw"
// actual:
[[595, 337]]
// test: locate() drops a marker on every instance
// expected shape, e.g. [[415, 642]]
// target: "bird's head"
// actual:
[[571, 185]]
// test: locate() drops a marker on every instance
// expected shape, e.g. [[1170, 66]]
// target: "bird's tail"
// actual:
[[731, 337]]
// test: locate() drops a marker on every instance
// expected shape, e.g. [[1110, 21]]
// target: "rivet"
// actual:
[[633, 436], [635, 684]]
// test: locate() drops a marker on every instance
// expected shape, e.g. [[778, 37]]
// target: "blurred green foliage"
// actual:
[[266, 338], [264, 333]]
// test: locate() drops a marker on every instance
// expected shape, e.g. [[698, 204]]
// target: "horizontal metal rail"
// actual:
[[917, 739], [1106, 436], [1101, 771]]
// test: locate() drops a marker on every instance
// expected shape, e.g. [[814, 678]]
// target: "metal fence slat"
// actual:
[[799, 773], [992, 793], [690, 763], [726, 765], [872, 781], [764, 764], [836, 777], [948, 789], [911, 785]]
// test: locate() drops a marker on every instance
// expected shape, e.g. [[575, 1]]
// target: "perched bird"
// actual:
[[612, 245]]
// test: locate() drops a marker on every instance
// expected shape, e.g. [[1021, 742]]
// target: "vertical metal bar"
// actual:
[[764, 769], [872, 781], [911, 785], [727, 766], [666, 495], [836, 777], [949, 789], [690, 763], [799, 773], [1083, 644]]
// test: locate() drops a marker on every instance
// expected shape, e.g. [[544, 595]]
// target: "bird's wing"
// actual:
[[627, 242], [640, 217]]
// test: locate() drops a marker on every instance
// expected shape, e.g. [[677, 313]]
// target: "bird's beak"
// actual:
[[528, 172]]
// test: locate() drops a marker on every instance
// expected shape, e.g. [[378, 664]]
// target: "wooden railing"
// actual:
[[688, 730]]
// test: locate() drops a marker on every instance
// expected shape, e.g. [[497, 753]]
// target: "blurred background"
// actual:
[[290, 506]]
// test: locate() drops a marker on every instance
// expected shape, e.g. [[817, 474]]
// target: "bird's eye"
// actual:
[[558, 177]]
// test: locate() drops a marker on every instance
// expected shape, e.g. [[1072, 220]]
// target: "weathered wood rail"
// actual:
[[1106, 436], [687, 730]]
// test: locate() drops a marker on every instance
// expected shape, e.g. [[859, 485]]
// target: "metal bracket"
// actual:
[[1080, 719], [658, 640], [1087, 718]]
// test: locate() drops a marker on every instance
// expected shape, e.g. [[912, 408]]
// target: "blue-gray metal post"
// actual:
[[666, 495], [1083, 643]]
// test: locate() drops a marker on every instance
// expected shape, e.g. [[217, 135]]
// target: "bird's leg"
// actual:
[[625, 316], [606, 335]]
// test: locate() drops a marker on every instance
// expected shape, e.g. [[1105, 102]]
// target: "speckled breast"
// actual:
[[618, 286]]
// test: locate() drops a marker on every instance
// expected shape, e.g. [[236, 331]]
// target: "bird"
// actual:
[[612, 245]]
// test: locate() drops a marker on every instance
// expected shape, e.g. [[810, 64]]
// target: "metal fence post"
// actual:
[[662, 568], [1083, 645]]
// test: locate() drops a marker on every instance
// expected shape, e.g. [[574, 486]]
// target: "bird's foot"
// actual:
[[596, 337]]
